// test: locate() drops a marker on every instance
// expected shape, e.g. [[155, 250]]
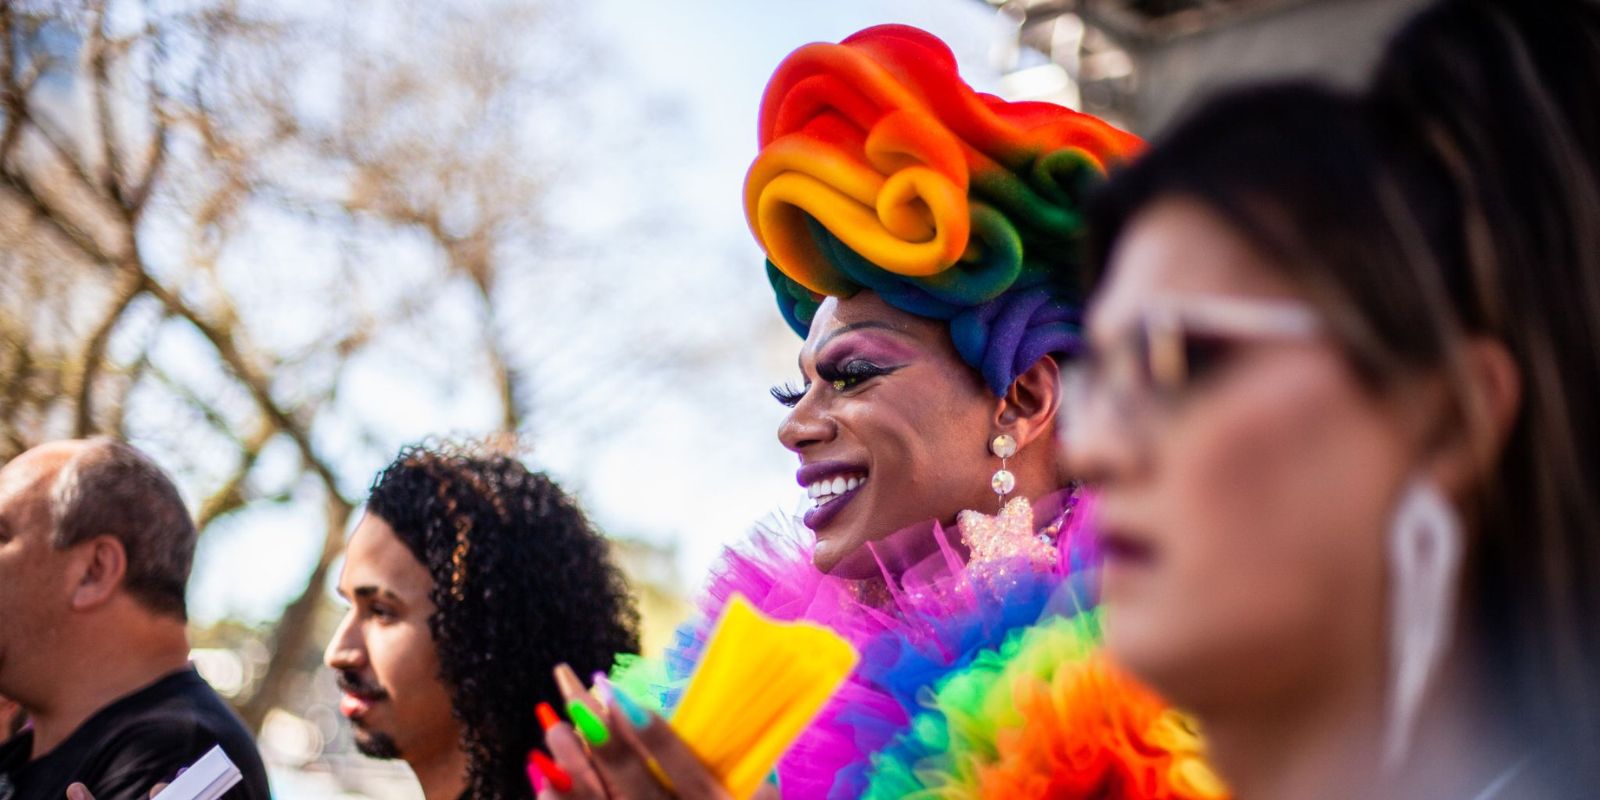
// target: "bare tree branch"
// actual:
[[59, 145], [117, 422], [98, 54], [230, 496], [426, 153], [12, 99], [244, 369], [133, 285], [155, 160], [22, 188], [192, 399], [293, 632]]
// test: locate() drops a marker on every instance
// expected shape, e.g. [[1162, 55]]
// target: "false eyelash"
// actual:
[[787, 394], [852, 372]]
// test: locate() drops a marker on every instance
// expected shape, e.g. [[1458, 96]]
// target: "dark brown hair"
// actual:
[[1501, 99], [1458, 197], [521, 582]]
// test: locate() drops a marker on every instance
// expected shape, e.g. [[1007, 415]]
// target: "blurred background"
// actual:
[[271, 242]]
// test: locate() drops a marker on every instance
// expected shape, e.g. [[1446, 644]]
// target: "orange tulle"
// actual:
[[1090, 731]]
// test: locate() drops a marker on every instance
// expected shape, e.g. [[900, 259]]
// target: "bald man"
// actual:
[[95, 551]]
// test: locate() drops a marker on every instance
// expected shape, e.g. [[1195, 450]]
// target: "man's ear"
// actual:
[[99, 567], [1029, 407], [1466, 451]]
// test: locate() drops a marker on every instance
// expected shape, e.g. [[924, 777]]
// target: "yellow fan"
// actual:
[[759, 684]]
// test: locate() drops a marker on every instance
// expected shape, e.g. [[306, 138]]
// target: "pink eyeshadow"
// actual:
[[872, 347]]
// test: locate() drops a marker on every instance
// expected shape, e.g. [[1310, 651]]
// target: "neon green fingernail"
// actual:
[[589, 726]]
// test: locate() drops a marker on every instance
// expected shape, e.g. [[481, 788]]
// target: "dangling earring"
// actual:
[[997, 542], [1425, 545], [1003, 481]]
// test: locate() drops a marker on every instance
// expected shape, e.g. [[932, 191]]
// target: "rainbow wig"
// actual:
[[881, 169]]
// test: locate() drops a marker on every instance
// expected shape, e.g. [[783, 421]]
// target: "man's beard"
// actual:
[[370, 743], [374, 744]]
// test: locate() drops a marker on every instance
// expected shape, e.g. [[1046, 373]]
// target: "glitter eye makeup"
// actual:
[[848, 360], [853, 359], [852, 373]]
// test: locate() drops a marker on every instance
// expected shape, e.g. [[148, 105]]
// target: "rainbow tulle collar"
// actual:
[[980, 677]]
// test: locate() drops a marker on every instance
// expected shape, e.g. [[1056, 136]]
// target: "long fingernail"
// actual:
[[558, 777], [601, 685], [637, 716], [567, 681], [547, 716], [593, 730], [535, 778]]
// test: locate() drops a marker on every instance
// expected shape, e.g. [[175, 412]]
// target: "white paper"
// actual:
[[207, 779]]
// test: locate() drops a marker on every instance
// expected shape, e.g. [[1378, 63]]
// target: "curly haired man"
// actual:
[[469, 578]]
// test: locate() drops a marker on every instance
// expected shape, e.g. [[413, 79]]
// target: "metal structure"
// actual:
[[1139, 62]]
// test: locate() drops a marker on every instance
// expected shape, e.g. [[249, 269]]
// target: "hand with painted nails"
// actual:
[[620, 751]]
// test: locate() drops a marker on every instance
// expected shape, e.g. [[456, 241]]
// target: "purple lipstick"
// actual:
[[831, 485]]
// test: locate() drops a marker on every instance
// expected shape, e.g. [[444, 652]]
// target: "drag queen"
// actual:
[[926, 242]]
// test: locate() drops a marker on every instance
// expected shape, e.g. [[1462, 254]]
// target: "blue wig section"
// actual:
[[970, 331], [794, 301], [1005, 336]]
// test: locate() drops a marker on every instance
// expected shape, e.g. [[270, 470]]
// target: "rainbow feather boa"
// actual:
[[977, 680]]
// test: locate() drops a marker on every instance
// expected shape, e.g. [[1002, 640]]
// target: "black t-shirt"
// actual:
[[128, 747]]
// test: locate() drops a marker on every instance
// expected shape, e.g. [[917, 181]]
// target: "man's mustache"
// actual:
[[353, 684]]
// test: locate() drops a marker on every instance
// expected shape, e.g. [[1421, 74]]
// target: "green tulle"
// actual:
[[644, 679]]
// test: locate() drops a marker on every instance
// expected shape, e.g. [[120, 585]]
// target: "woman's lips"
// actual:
[[1125, 549]]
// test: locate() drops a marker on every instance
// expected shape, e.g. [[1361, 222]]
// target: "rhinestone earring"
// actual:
[[1425, 552], [1003, 482]]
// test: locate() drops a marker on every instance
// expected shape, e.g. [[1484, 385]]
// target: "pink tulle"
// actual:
[[773, 569], [928, 619]]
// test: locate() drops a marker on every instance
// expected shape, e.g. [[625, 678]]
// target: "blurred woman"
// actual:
[[1338, 402], [926, 241]]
